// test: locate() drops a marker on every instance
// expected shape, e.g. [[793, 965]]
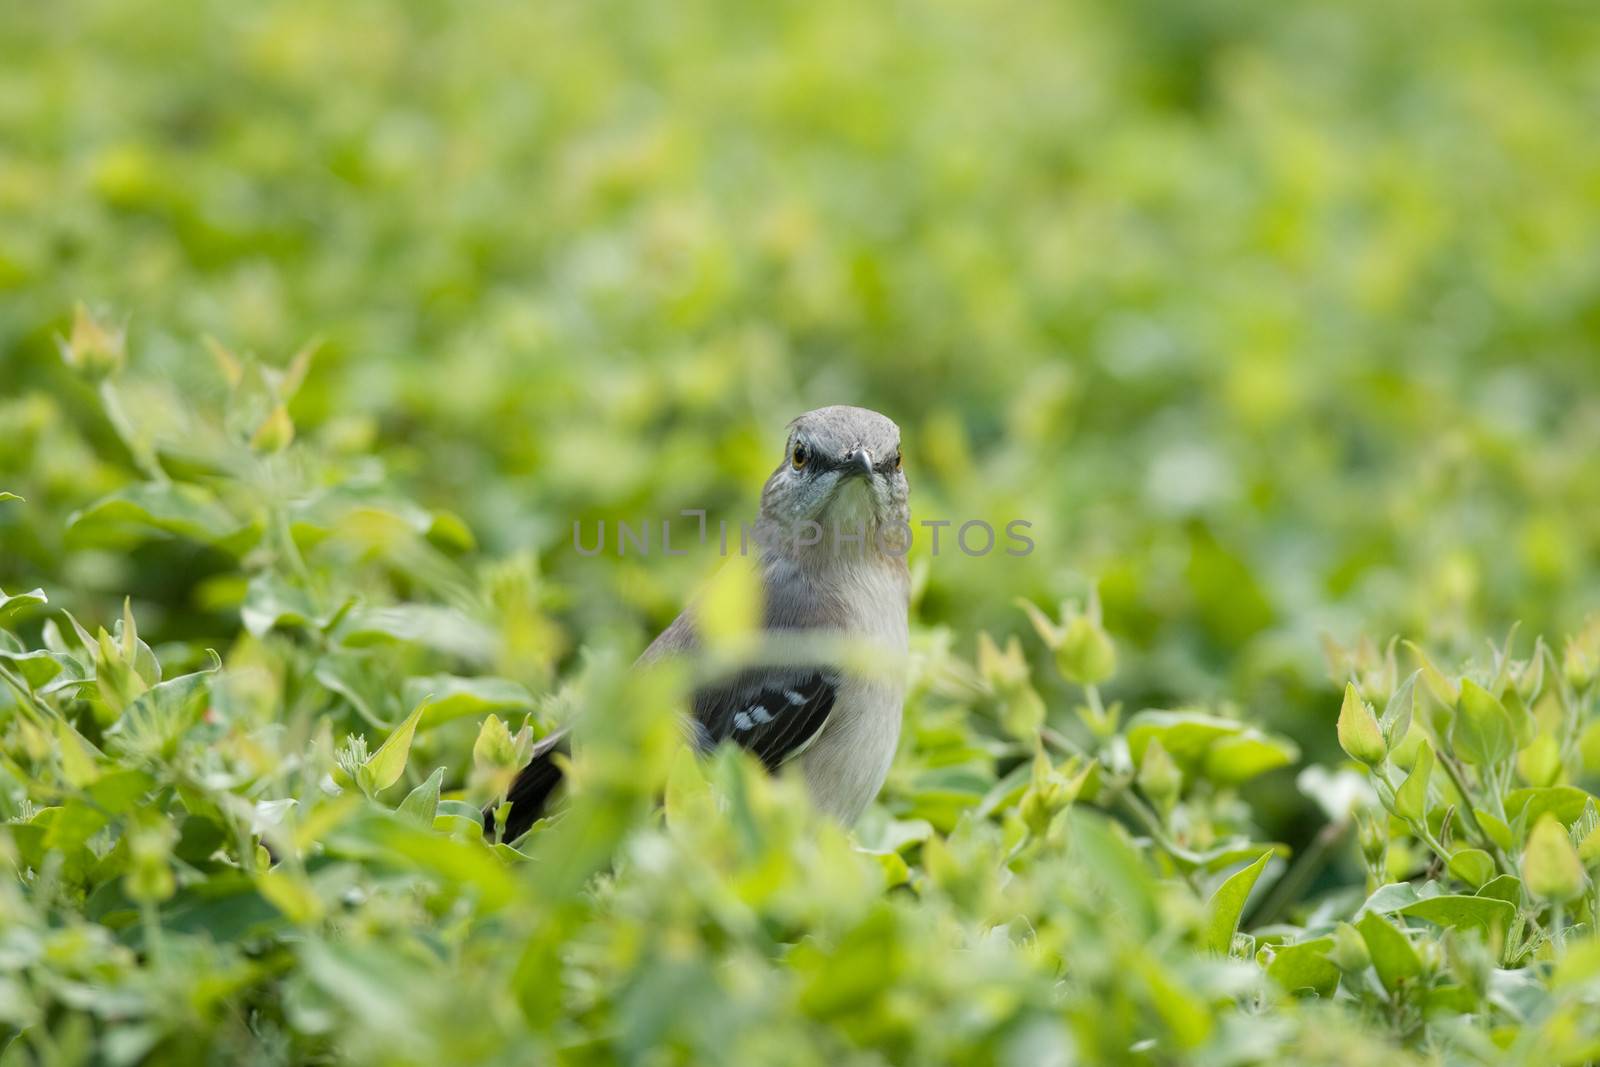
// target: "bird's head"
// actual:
[[841, 467]]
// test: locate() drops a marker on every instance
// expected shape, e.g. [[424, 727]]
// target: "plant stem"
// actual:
[[1470, 817], [1060, 740]]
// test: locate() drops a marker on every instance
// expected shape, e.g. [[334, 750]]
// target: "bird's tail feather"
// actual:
[[532, 788]]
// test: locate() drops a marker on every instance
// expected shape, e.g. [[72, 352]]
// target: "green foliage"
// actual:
[[1270, 321], [206, 844]]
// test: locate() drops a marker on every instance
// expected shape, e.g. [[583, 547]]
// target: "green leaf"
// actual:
[[451, 533], [71, 825], [687, 799], [1539, 762], [1391, 897], [1393, 956], [1115, 864], [1496, 828], [152, 724], [896, 871], [384, 839], [1222, 750], [442, 629], [1305, 966], [291, 894], [270, 603], [1473, 866], [1246, 755], [1442, 689], [77, 756], [41, 668], [1396, 721], [13, 606], [1411, 799], [422, 803], [1227, 904], [384, 767], [1507, 887], [135, 513], [451, 697], [1482, 733], [119, 792], [1565, 802], [1463, 912]]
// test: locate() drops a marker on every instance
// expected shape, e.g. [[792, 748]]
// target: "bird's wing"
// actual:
[[773, 714]]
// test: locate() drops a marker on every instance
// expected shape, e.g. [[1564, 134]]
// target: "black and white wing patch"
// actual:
[[774, 716]]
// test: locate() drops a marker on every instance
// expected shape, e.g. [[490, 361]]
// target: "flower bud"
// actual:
[[1359, 734], [1551, 870], [93, 349], [1349, 952], [498, 754], [1050, 790], [1083, 650], [1159, 776], [1022, 712], [276, 431], [116, 676], [1589, 848], [1003, 671], [1086, 654], [1581, 659], [1373, 837]]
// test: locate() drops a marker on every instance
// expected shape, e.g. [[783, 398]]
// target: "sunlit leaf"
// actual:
[[13, 606], [422, 803], [1227, 904], [1462, 911], [385, 766], [1482, 733]]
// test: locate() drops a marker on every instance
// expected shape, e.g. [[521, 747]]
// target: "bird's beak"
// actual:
[[858, 463]]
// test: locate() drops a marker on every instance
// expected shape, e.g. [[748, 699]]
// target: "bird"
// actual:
[[832, 535]]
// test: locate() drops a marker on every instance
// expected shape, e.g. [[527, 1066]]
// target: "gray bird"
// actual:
[[832, 534]]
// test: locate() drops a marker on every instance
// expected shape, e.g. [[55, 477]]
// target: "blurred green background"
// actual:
[[1275, 320]]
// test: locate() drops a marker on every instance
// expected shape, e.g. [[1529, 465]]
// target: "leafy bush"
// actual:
[[1274, 322], [275, 854]]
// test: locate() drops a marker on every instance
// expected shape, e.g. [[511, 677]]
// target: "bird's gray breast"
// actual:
[[846, 765]]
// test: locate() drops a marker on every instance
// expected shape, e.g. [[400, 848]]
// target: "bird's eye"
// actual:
[[800, 456], [899, 461]]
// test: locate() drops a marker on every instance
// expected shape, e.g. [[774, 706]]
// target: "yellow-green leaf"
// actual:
[[77, 760], [385, 766], [1393, 956], [1411, 799], [1227, 904]]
